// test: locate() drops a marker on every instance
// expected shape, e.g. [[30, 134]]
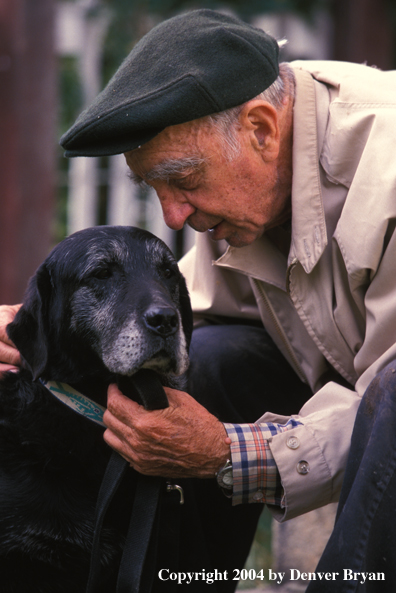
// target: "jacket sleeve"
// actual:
[[312, 473], [328, 417]]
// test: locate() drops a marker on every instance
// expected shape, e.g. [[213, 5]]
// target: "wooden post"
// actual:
[[364, 32], [27, 140]]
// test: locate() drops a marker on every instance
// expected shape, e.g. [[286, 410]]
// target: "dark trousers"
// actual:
[[238, 374], [364, 537]]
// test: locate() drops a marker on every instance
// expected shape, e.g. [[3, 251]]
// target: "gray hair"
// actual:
[[225, 123]]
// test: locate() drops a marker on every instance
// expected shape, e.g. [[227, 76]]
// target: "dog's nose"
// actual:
[[161, 320]]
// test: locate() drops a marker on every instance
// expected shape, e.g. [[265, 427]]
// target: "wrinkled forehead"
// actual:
[[175, 142]]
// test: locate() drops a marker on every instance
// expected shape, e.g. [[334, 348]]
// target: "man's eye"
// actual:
[[184, 185], [187, 183]]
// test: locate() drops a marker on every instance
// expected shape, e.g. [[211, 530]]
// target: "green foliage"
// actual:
[[70, 92], [70, 104]]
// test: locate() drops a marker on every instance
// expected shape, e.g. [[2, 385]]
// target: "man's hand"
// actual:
[[182, 441], [9, 355]]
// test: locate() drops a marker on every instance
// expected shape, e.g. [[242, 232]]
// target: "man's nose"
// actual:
[[176, 212]]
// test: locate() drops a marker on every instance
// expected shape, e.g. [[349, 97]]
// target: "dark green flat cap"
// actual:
[[189, 66]]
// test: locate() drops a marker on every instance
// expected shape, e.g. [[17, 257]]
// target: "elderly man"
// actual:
[[293, 168]]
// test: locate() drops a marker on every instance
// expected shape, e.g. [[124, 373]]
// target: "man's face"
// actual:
[[236, 200]]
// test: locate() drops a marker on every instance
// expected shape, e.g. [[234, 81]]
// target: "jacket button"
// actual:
[[293, 442], [258, 496], [303, 467]]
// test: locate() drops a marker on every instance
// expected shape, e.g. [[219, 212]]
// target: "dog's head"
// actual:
[[106, 300]]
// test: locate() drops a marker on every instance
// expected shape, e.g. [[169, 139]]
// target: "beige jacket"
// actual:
[[333, 300]]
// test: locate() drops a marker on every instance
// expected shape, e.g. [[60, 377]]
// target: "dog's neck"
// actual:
[[90, 407], [77, 401], [93, 387], [96, 387]]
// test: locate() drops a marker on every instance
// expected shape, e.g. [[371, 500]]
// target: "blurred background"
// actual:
[[55, 56]]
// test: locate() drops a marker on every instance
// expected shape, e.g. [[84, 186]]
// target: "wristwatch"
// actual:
[[224, 478]]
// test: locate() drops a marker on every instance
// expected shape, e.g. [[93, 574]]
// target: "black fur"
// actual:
[[106, 301]]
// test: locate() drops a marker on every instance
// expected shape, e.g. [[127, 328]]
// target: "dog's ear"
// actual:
[[29, 330], [186, 311]]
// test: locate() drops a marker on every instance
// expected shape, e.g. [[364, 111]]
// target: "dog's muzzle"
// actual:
[[163, 321]]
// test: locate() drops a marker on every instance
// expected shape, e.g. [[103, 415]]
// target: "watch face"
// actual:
[[227, 477], [224, 477]]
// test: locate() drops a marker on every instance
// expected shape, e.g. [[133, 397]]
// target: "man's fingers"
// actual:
[[119, 405], [115, 443], [8, 353], [183, 440], [8, 367], [7, 314]]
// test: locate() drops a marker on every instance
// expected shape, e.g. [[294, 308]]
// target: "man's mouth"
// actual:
[[216, 230], [214, 227]]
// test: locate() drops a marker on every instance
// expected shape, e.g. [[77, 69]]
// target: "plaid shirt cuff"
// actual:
[[255, 475]]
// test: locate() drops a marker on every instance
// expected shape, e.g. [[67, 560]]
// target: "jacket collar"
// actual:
[[309, 237], [261, 259]]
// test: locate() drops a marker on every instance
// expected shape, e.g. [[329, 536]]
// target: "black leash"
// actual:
[[111, 480], [137, 568], [141, 530]]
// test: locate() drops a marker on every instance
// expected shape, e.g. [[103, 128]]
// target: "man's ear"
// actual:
[[29, 330], [261, 121]]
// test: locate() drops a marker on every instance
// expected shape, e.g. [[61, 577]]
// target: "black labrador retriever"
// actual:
[[106, 302]]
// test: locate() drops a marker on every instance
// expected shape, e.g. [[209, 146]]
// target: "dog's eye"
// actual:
[[102, 274], [169, 273]]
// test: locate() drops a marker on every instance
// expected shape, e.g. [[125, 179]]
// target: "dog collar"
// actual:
[[76, 401]]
